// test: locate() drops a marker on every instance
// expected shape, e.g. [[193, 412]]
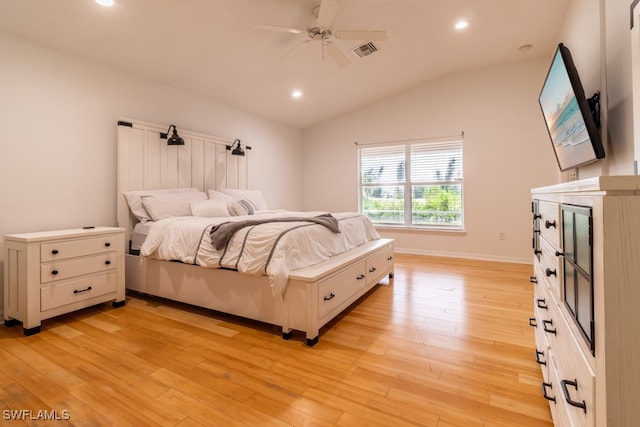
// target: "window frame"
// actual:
[[453, 142]]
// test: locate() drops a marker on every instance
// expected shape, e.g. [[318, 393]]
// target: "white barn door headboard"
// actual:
[[146, 162]]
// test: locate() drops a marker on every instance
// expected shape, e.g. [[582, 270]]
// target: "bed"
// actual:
[[294, 292]]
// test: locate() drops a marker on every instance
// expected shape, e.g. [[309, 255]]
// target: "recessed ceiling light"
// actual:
[[296, 94], [461, 24], [105, 2]]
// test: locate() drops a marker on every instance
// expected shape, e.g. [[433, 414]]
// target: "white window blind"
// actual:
[[416, 183]]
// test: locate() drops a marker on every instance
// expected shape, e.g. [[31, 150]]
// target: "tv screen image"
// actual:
[[572, 128]]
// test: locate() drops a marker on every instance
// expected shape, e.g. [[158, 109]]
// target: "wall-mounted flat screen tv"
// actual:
[[569, 117]]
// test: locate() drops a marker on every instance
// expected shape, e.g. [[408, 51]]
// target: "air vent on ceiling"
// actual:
[[366, 49]]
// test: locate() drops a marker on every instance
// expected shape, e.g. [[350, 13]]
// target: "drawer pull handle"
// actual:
[[54, 272], [544, 327], [330, 297], [107, 244], [107, 262], [390, 257], [537, 216], [544, 392], [558, 253], [537, 252], [574, 383], [372, 269], [79, 291], [541, 303], [361, 276], [549, 224], [54, 252], [533, 279], [538, 359], [532, 322], [549, 272]]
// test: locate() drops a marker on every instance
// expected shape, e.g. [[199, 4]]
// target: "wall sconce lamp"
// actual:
[[237, 150], [175, 139]]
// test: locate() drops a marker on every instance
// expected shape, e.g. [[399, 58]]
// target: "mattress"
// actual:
[[139, 235]]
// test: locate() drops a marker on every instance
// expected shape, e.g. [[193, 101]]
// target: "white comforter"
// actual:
[[258, 250]]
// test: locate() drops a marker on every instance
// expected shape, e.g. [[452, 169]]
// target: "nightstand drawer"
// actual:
[[77, 267], [75, 248], [62, 294]]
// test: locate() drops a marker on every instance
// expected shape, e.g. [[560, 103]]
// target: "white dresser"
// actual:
[[586, 242], [50, 273]]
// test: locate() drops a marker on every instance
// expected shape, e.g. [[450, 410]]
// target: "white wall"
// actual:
[[619, 87], [506, 153], [58, 119], [598, 34]]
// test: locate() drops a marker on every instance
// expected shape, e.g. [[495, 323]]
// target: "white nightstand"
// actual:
[[55, 272]]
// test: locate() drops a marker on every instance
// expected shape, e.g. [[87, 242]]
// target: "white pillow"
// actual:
[[161, 206], [254, 196], [134, 200], [210, 208], [216, 195]]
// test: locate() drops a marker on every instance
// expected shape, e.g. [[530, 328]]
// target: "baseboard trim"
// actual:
[[477, 257]]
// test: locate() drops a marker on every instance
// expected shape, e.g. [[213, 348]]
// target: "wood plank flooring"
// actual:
[[445, 343]]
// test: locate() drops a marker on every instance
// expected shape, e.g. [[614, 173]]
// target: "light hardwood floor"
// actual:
[[446, 343]]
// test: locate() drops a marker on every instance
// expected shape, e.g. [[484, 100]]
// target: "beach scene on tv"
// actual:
[[565, 122]]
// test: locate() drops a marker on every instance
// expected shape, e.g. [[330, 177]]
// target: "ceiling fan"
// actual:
[[323, 32]]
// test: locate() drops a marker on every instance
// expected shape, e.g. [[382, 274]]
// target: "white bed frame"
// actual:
[[314, 295]]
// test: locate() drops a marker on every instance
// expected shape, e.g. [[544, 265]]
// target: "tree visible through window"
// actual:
[[414, 183]]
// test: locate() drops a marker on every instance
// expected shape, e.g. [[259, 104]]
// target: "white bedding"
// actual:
[[251, 250]]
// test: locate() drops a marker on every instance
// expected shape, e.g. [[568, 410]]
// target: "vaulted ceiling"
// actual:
[[213, 48]]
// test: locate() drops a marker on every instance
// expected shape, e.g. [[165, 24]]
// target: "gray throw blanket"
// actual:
[[221, 233]]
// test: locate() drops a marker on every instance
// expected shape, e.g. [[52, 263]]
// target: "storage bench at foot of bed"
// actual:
[[331, 286]]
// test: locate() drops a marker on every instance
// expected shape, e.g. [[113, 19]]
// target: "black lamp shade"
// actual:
[[237, 151], [236, 148], [174, 139]]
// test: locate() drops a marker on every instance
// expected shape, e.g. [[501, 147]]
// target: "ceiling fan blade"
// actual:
[[279, 29], [378, 36], [336, 54], [327, 12], [294, 48]]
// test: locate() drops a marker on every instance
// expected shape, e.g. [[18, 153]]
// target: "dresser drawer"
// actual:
[[379, 265], [550, 268], [553, 393], [541, 303], [336, 290], [62, 294], [577, 380], [77, 267], [74, 248], [549, 222], [575, 386]]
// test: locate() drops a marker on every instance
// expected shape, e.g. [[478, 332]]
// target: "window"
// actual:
[[417, 183]]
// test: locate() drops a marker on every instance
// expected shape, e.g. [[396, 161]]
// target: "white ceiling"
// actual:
[[210, 47]]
